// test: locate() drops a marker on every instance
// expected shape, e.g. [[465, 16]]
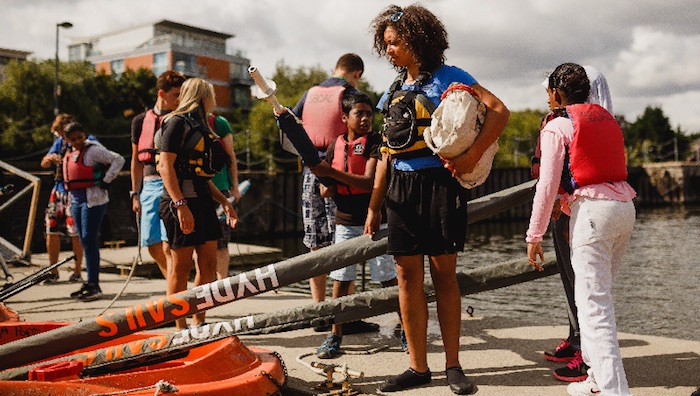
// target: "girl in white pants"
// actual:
[[583, 160]]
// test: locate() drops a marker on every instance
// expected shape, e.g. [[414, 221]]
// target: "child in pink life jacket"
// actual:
[[583, 159], [88, 168]]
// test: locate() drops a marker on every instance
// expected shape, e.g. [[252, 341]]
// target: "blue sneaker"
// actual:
[[404, 342], [330, 347]]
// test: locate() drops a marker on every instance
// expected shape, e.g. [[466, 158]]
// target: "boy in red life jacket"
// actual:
[[352, 160], [320, 110], [146, 184]]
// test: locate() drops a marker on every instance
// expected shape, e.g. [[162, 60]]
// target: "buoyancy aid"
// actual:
[[322, 115], [350, 157], [146, 149], [406, 115], [77, 175], [596, 153], [202, 153]]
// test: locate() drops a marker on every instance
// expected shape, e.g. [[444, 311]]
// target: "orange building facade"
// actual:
[[167, 45]]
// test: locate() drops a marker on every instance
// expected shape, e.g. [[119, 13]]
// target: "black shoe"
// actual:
[[564, 353], [90, 293], [459, 383], [323, 328], [77, 294], [359, 327], [696, 393], [51, 279], [408, 379]]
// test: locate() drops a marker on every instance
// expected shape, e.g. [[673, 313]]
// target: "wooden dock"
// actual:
[[121, 259]]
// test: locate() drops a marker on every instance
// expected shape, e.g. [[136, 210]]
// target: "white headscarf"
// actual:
[[600, 93]]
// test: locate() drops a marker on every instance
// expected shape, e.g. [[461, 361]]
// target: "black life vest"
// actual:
[[202, 154], [406, 115]]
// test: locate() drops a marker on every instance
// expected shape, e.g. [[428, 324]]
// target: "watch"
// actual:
[[133, 194]]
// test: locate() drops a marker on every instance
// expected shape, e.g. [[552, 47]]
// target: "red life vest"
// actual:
[[146, 150], [350, 157], [322, 115], [596, 153], [77, 175]]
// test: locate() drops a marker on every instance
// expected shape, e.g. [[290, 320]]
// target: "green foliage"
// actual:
[[104, 104], [651, 139], [518, 141], [291, 85]]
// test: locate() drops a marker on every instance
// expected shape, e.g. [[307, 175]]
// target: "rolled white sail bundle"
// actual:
[[455, 125]]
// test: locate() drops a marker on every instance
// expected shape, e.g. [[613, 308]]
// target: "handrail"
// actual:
[[35, 185]]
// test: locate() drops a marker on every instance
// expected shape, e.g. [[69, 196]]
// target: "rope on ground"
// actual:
[[327, 370], [161, 385], [137, 261]]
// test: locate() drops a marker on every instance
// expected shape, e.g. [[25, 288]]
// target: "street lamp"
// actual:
[[65, 25]]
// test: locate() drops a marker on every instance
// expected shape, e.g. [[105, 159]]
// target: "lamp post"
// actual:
[[65, 25]]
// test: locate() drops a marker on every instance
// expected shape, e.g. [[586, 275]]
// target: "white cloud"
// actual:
[[660, 61], [648, 50]]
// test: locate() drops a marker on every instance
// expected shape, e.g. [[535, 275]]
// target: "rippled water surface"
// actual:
[[656, 291]]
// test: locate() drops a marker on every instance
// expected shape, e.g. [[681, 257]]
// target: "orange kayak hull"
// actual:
[[224, 367]]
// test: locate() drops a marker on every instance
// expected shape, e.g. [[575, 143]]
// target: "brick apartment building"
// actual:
[[168, 45], [7, 55]]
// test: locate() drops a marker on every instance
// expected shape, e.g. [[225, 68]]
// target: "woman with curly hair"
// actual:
[[426, 206]]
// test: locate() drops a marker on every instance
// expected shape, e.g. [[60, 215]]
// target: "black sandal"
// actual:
[[459, 383], [408, 379]]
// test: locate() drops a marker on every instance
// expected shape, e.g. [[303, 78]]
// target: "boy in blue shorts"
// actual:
[[352, 160]]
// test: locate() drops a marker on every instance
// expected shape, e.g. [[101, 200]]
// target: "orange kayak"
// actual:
[[224, 367]]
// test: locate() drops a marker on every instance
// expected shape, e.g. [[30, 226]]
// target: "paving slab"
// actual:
[[502, 355]]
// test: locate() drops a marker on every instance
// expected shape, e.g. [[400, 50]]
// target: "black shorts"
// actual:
[[206, 224], [426, 213]]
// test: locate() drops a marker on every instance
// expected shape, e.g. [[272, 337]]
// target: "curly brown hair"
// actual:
[[422, 31], [60, 122], [169, 79]]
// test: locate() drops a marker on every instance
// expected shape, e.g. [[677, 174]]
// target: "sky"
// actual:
[[649, 50]]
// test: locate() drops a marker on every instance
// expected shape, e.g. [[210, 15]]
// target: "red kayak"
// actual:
[[224, 367]]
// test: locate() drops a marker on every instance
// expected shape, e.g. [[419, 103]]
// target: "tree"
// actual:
[[650, 138], [104, 104], [519, 138]]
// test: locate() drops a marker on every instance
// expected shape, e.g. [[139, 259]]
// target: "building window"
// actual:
[[186, 65], [160, 63], [117, 67]]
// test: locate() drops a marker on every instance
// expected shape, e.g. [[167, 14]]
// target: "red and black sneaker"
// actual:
[[575, 371], [564, 353]]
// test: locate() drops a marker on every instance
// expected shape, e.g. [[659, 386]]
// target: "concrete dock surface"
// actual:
[[503, 356]]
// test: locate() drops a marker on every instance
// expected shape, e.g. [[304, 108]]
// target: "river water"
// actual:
[[656, 291]]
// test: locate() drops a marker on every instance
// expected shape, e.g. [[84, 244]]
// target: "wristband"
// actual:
[[133, 194], [177, 204]]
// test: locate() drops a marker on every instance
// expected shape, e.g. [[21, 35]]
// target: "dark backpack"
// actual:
[[202, 153]]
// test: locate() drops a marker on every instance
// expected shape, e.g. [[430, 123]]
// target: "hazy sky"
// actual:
[[649, 50]]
